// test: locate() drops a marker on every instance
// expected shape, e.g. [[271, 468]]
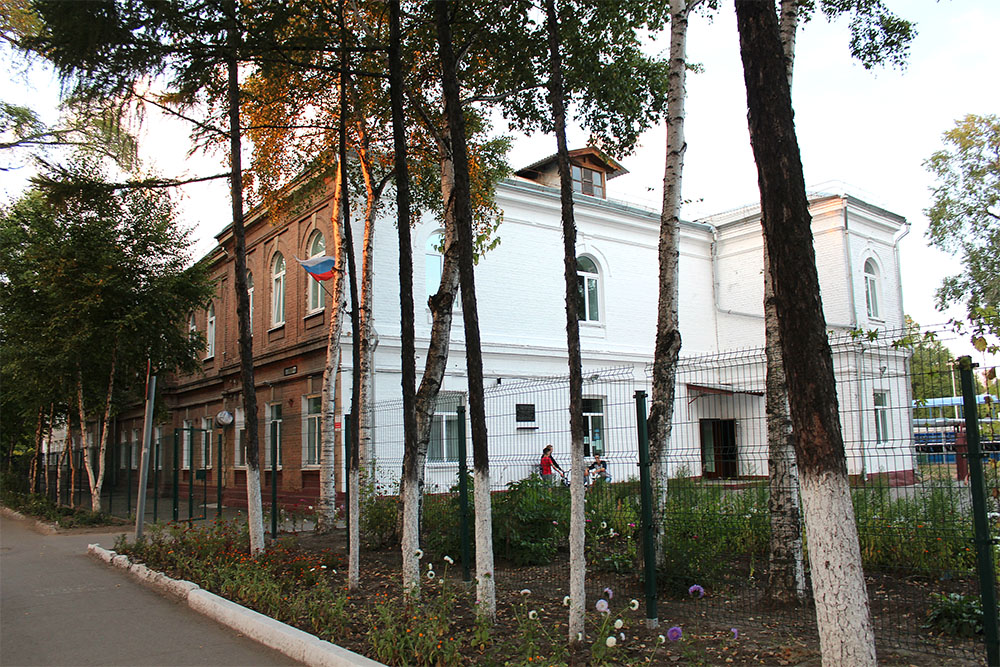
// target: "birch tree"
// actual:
[[842, 610]]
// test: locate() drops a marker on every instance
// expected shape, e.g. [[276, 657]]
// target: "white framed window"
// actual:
[[187, 431], [433, 262], [587, 181], [250, 298], [314, 298], [880, 400], [240, 446], [278, 290], [872, 289], [136, 449], [156, 447], [192, 327], [313, 415], [593, 426], [123, 451], [272, 429], [206, 442], [210, 331], [443, 445], [588, 281]]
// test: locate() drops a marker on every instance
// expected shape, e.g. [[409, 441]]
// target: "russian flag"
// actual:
[[321, 267]]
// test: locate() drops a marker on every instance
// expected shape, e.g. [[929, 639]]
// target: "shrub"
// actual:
[[530, 521], [955, 614]]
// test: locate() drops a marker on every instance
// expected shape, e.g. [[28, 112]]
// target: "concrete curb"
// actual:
[[38, 525], [294, 643]]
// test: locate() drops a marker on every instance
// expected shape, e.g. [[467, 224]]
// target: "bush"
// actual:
[[955, 614], [530, 521]]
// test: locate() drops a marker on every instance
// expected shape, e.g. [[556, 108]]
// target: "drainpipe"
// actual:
[[900, 235], [850, 266], [715, 280]]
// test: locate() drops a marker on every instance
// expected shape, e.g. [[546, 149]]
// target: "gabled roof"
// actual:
[[611, 166]]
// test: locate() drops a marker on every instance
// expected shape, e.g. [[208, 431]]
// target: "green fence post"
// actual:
[[190, 475], [128, 483], [347, 478], [177, 469], [115, 458], [207, 439], [156, 481], [463, 494], [983, 542], [274, 480], [648, 529], [218, 478]]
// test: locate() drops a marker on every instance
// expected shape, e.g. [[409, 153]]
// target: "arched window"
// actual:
[[872, 289], [192, 327], [250, 298], [210, 331], [278, 290], [314, 300], [588, 281], [433, 262]]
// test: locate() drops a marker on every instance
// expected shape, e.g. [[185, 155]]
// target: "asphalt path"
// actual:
[[60, 607]]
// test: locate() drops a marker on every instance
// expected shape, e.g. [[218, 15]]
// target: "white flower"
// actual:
[[449, 560], [633, 605], [323, 567], [604, 524], [579, 636], [419, 554], [611, 641], [430, 574], [622, 635], [525, 591], [310, 507], [661, 639], [602, 606], [566, 601], [430, 566], [533, 614], [618, 624]]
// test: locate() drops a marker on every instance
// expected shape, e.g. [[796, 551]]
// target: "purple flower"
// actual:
[[736, 633], [674, 633], [696, 591], [610, 593], [602, 606]]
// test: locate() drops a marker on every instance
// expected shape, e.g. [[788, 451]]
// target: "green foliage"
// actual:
[[378, 520], [708, 530], [878, 37], [612, 519], [955, 614], [965, 216], [530, 521], [42, 507], [416, 634]]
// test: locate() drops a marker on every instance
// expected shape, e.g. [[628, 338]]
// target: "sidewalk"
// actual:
[[60, 607]]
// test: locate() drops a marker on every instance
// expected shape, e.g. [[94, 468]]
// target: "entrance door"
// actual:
[[719, 458]]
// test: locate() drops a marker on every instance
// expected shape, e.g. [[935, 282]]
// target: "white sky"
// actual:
[[869, 131]]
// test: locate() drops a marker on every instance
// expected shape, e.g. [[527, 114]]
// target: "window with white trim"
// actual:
[[272, 428], [186, 433], [210, 331], [313, 429], [443, 445], [587, 181], [314, 298], [156, 447], [872, 289], [136, 448], [123, 451], [192, 327], [240, 446], [593, 426], [206, 442], [433, 263], [250, 298], [278, 290], [588, 281], [880, 400]]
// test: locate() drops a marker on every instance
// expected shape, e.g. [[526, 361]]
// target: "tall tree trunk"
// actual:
[[577, 557], [786, 582], [842, 611], [441, 305], [326, 516], [667, 347], [96, 479], [366, 374], [409, 504], [61, 461], [255, 510], [485, 576], [33, 471], [83, 436], [354, 487], [48, 446]]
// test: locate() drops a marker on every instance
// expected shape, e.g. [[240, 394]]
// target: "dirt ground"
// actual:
[[715, 631]]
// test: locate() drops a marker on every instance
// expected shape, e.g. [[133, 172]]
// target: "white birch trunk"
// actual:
[[366, 374], [255, 510], [837, 576], [486, 591], [326, 512], [61, 464], [668, 337], [577, 550], [48, 447], [95, 500]]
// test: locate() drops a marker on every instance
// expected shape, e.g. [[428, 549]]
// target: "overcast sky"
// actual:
[[863, 132]]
